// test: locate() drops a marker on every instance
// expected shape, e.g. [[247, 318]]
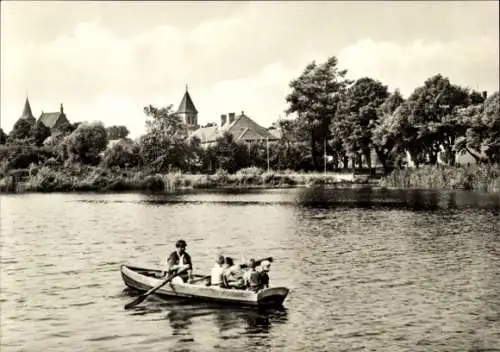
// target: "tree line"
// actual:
[[351, 118], [328, 114]]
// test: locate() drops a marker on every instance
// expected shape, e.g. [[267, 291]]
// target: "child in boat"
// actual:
[[264, 276], [217, 271], [252, 277], [232, 275]]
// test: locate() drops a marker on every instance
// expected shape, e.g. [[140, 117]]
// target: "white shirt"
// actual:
[[216, 274]]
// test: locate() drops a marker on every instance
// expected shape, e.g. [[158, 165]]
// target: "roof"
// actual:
[[187, 105], [207, 134], [50, 119], [27, 110], [243, 128]]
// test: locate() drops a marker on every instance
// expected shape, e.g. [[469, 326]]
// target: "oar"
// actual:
[[145, 295], [243, 266]]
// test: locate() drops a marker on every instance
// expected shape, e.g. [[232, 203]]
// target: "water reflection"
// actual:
[[320, 197], [374, 198], [253, 320]]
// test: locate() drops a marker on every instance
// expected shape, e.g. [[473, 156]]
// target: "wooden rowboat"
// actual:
[[143, 279]]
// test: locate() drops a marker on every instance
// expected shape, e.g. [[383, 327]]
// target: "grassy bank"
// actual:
[[483, 178], [76, 178], [85, 178]]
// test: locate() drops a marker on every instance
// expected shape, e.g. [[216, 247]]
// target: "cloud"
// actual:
[[99, 75], [243, 61], [468, 62]]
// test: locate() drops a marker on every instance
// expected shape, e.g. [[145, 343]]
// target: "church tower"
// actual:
[[188, 112], [27, 114]]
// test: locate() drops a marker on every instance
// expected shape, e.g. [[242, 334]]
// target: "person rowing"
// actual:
[[178, 260]]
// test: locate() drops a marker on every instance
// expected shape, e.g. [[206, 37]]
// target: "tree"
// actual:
[[164, 146], [289, 156], [226, 154], [385, 134], [22, 130], [39, 133], [85, 144], [117, 132], [19, 156], [125, 153], [314, 98], [481, 123], [474, 131], [431, 115], [194, 155], [358, 116], [476, 98], [491, 119]]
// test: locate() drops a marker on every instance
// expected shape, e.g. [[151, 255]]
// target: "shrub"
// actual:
[[21, 156], [125, 153], [86, 143]]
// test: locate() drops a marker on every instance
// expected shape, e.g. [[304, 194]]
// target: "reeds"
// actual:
[[482, 178], [70, 177], [74, 177]]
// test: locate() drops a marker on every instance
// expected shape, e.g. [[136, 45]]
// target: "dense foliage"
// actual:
[[117, 132]]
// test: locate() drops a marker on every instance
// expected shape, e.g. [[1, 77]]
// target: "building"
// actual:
[[188, 113], [241, 127], [56, 121], [27, 114]]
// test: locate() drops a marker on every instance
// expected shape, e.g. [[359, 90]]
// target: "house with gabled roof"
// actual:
[[56, 121], [241, 127]]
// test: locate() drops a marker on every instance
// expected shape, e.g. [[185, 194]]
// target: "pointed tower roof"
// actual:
[[27, 110], [187, 105]]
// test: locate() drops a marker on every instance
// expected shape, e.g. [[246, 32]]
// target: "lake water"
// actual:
[[368, 270]]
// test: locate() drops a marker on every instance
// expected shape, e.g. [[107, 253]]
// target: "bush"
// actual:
[[85, 144], [47, 180], [21, 156], [253, 170], [123, 154]]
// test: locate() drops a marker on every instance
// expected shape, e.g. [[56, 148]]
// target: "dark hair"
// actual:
[[180, 243], [229, 261], [252, 263]]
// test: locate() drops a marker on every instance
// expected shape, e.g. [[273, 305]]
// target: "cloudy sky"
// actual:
[[107, 60]]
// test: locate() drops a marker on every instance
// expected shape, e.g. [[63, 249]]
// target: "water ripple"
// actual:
[[368, 270]]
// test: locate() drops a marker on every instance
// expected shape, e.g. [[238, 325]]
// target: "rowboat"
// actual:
[[143, 279]]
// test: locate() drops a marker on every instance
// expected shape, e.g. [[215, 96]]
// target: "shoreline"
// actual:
[[84, 179]]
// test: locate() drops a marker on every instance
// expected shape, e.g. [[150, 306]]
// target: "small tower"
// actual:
[[188, 112], [27, 114]]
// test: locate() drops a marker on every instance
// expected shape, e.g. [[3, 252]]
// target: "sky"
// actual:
[[106, 61]]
